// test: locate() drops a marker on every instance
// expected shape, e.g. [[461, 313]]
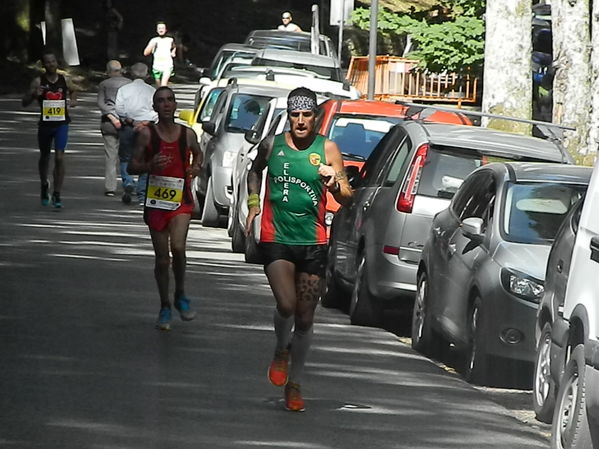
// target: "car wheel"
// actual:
[[237, 235], [333, 295], [543, 389], [364, 310], [251, 250], [210, 215], [424, 339], [570, 422], [475, 366]]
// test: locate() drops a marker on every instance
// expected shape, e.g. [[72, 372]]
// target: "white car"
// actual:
[[575, 336]]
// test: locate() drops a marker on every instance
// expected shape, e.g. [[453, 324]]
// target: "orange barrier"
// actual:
[[400, 79]]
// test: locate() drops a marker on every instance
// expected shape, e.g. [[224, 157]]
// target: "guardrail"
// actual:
[[400, 79]]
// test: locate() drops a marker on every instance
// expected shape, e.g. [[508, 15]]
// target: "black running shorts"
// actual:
[[311, 259]]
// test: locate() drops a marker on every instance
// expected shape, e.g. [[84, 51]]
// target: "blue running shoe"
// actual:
[[182, 305], [164, 319], [56, 202], [45, 195]]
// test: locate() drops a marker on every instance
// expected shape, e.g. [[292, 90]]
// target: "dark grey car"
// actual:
[[412, 174], [482, 272], [548, 366]]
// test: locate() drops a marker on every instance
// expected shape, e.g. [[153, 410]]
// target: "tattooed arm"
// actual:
[[334, 174], [255, 180]]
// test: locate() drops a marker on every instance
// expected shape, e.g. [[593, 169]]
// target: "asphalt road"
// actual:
[[83, 367]]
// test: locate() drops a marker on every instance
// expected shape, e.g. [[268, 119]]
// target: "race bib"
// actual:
[[53, 110], [164, 192]]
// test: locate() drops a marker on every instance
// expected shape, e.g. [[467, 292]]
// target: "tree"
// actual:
[[449, 40], [572, 82], [508, 67], [593, 124]]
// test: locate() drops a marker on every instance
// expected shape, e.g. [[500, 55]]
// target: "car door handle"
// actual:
[[560, 266]]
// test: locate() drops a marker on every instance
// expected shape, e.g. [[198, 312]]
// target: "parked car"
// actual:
[[411, 175], [225, 54], [551, 306], [237, 110], [574, 359], [289, 40], [326, 66], [482, 271], [296, 77]]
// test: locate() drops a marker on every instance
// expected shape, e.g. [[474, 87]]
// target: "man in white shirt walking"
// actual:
[[134, 107]]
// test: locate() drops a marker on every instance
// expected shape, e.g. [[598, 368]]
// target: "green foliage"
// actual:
[[455, 44]]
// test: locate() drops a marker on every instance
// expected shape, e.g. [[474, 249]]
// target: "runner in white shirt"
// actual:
[[164, 50]]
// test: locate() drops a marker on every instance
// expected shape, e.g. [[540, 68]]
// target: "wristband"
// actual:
[[253, 200]]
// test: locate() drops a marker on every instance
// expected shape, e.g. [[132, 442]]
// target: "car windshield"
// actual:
[[327, 72], [244, 112], [224, 58], [302, 44], [356, 136], [533, 212]]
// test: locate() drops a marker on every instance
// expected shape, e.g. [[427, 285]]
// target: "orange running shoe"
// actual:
[[293, 398], [277, 371]]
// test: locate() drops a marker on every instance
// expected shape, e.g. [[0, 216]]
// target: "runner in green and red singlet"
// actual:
[[302, 166]]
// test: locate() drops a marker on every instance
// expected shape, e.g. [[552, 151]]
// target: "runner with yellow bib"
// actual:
[[51, 91], [170, 155]]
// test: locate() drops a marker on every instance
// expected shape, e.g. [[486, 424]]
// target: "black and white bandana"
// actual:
[[300, 103]]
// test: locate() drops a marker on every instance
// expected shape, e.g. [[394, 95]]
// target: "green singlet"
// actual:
[[295, 202]]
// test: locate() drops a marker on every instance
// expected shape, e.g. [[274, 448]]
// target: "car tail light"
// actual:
[[393, 250], [405, 202]]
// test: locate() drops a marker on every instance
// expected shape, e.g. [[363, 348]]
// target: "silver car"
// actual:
[[482, 272], [412, 174], [237, 110]]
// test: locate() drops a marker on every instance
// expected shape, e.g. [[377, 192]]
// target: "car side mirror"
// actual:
[[353, 175], [209, 127], [472, 228], [252, 136], [186, 115], [205, 80]]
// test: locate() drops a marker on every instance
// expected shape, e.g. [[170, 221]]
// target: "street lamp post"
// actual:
[[374, 13]]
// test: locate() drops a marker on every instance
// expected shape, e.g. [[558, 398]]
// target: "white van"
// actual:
[[576, 331]]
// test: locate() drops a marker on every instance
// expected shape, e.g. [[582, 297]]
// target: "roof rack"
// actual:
[[552, 131]]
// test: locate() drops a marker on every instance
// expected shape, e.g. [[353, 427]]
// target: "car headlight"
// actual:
[[522, 285], [228, 158]]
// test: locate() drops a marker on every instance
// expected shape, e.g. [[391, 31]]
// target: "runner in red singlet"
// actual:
[[169, 153]]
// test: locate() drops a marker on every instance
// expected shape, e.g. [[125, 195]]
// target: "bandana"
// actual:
[[300, 103]]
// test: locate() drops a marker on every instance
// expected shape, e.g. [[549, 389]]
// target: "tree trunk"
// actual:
[[52, 16], [14, 29], [593, 139], [508, 67], [572, 82]]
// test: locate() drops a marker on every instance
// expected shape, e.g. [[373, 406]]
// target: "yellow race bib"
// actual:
[[164, 192], [53, 110]]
